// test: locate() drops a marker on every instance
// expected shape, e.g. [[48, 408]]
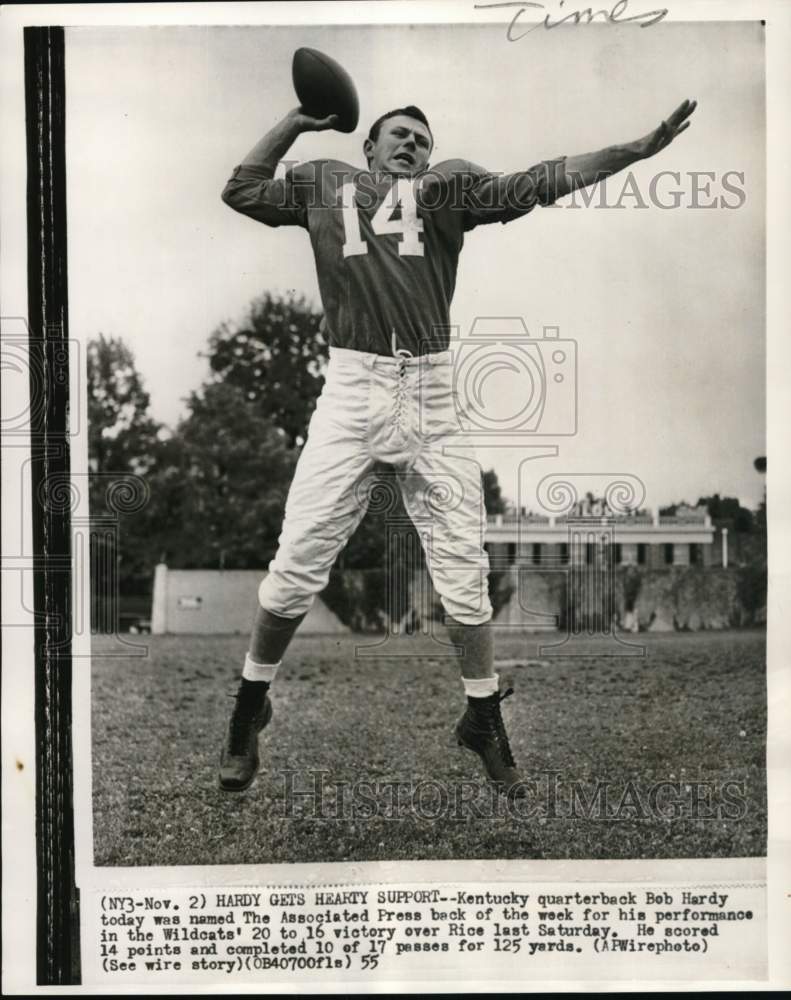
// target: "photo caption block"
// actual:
[[424, 932]]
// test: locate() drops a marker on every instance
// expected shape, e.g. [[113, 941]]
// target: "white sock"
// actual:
[[259, 671], [481, 687]]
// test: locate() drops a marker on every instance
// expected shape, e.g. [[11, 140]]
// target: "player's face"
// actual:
[[403, 146]]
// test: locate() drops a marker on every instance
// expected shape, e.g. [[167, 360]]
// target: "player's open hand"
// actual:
[[307, 123], [667, 131]]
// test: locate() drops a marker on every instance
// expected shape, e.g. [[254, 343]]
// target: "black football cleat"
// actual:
[[482, 730], [239, 760]]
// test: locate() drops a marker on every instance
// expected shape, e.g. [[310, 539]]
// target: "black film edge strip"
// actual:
[[57, 946]]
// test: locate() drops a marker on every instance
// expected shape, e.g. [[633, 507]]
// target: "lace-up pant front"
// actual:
[[398, 410]]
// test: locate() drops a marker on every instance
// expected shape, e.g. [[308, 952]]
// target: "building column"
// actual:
[[628, 553], [524, 553], [159, 608]]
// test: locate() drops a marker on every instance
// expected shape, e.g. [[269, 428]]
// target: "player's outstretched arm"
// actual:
[[252, 189], [501, 198], [589, 168]]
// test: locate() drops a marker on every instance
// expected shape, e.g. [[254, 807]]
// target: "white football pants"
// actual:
[[400, 411]]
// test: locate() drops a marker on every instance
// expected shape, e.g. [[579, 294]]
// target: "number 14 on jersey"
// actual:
[[408, 226]]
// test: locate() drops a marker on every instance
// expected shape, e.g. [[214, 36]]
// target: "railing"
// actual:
[[643, 518], [684, 519]]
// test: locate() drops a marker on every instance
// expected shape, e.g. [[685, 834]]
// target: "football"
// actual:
[[325, 88]]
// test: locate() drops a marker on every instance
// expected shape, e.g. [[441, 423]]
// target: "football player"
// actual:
[[386, 240]]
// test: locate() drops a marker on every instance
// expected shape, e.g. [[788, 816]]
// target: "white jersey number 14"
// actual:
[[382, 223]]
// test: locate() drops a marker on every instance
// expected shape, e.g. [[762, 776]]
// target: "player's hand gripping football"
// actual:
[[307, 123], [671, 127]]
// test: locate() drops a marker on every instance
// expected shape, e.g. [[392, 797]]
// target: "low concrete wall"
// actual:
[[213, 602], [537, 599], [640, 598]]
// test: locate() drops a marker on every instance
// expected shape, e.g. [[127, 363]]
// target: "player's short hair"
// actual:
[[410, 111]]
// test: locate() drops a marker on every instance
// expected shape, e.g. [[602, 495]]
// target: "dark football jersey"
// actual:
[[387, 247]]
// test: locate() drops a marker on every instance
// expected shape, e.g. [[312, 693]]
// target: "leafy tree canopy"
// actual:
[[122, 436], [721, 509], [277, 357], [226, 490]]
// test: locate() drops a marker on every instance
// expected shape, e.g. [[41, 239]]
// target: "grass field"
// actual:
[[692, 713]]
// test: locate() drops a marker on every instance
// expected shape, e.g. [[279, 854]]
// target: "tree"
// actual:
[[747, 535], [125, 447], [760, 515], [722, 510], [276, 356], [226, 494], [122, 437], [728, 509], [493, 498]]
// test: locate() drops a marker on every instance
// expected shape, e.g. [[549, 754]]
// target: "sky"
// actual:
[[666, 305]]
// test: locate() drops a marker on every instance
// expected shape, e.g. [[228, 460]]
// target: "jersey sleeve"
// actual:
[[485, 197], [254, 191]]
